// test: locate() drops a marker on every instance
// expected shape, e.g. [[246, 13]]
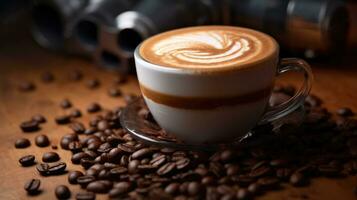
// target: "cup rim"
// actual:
[[147, 64]]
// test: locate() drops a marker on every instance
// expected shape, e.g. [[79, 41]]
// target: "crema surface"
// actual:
[[208, 47]]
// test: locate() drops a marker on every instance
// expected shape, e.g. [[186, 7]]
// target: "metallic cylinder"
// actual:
[[308, 26], [51, 19]]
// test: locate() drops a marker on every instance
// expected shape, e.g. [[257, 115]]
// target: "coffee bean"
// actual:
[[26, 86], [47, 77], [42, 141], [114, 92], [158, 161], [283, 173], [58, 168], [63, 119], [75, 146], [133, 166], [75, 113], [85, 196], [42, 168], [166, 168], [232, 170], [126, 148], [194, 188], [93, 107], [65, 103], [345, 112], [38, 118], [22, 143], [243, 194], [278, 163], [128, 98], [75, 75], [119, 189], [73, 176], [268, 182], [32, 186], [297, 179], [98, 186], [87, 162], [76, 158], [208, 180], [118, 170], [93, 83], [142, 153], [77, 127], [29, 126], [50, 157], [85, 180], [115, 154], [260, 171], [27, 160], [102, 125], [254, 188], [62, 192], [182, 163]]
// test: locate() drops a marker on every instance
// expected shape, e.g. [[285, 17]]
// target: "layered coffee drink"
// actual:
[[208, 48]]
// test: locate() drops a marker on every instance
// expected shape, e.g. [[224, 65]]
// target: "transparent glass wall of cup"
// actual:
[[205, 121]]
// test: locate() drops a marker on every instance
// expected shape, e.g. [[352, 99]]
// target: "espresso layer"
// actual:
[[208, 47], [204, 103]]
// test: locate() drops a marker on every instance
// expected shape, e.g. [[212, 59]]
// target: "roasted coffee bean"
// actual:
[[158, 161], [76, 158], [93, 107], [297, 179], [208, 180], [63, 119], [345, 112], [65, 140], [42, 141], [243, 194], [29, 126], [75, 146], [50, 157], [47, 77], [58, 168], [194, 188], [142, 153], [166, 168], [93, 83], [232, 170], [85, 196], [22, 143], [126, 148], [26, 86], [102, 125], [38, 118], [43, 168], [268, 182], [182, 163], [85, 180], [32, 186], [73, 176], [278, 163], [133, 166], [27, 160], [114, 92], [172, 188], [283, 173], [260, 171], [254, 188], [75, 113], [62, 192], [118, 170], [87, 162], [100, 186], [128, 98], [65, 103], [77, 127]]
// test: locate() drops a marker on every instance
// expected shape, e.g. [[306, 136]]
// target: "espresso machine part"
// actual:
[[51, 23], [313, 27]]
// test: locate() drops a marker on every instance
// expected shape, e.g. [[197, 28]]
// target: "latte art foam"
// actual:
[[205, 47]]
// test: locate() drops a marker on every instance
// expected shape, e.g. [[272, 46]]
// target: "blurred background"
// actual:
[[107, 31]]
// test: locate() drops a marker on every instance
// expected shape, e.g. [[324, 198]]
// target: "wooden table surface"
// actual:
[[336, 83]]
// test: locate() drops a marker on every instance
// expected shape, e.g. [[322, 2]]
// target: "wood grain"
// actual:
[[336, 83]]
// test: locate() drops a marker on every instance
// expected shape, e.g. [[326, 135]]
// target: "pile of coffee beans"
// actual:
[[115, 163]]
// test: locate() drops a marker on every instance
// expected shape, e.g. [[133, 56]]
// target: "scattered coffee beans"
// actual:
[[93, 83], [32, 186], [26, 86], [63, 119], [42, 141], [39, 118], [29, 126], [94, 107], [73, 176], [22, 143], [75, 113], [114, 92], [62, 192], [65, 103]]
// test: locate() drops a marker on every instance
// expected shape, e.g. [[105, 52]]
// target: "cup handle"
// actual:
[[279, 111]]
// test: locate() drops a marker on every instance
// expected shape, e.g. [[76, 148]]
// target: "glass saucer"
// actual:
[[149, 132]]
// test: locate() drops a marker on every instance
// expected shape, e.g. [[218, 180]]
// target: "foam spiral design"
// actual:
[[207, 49]]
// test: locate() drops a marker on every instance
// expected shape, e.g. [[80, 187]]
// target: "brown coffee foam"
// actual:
[[203, 55], [204, 103]]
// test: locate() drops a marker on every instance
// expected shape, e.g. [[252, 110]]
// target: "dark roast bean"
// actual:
[[87, 162], [73, 176], [75, 146], [42, 141], [50, 157], [43, 168], [133, 166], [22, 143], [27, 160], [115, 154], [32, 186], [93, 83], [254, 188], [142, 153], [166, 168], [172, 188], [29, 126], [345, 112], [278, 163], [57, 168], [93, 107], [63, 119], [260, 171], [85, 196], [62, 192], [102, 125], [243, 194], [47, 77], [194, 188], [75, 113], [158, 161], [39, 118], [268, 182], [208, 180], [65, 103], [98, 186], [126, 148], [85, 180], [297, 179], [76, 158], [182, 163], [26, 86], [114, 92], [283, 173], [77, 127], [118, 170]]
